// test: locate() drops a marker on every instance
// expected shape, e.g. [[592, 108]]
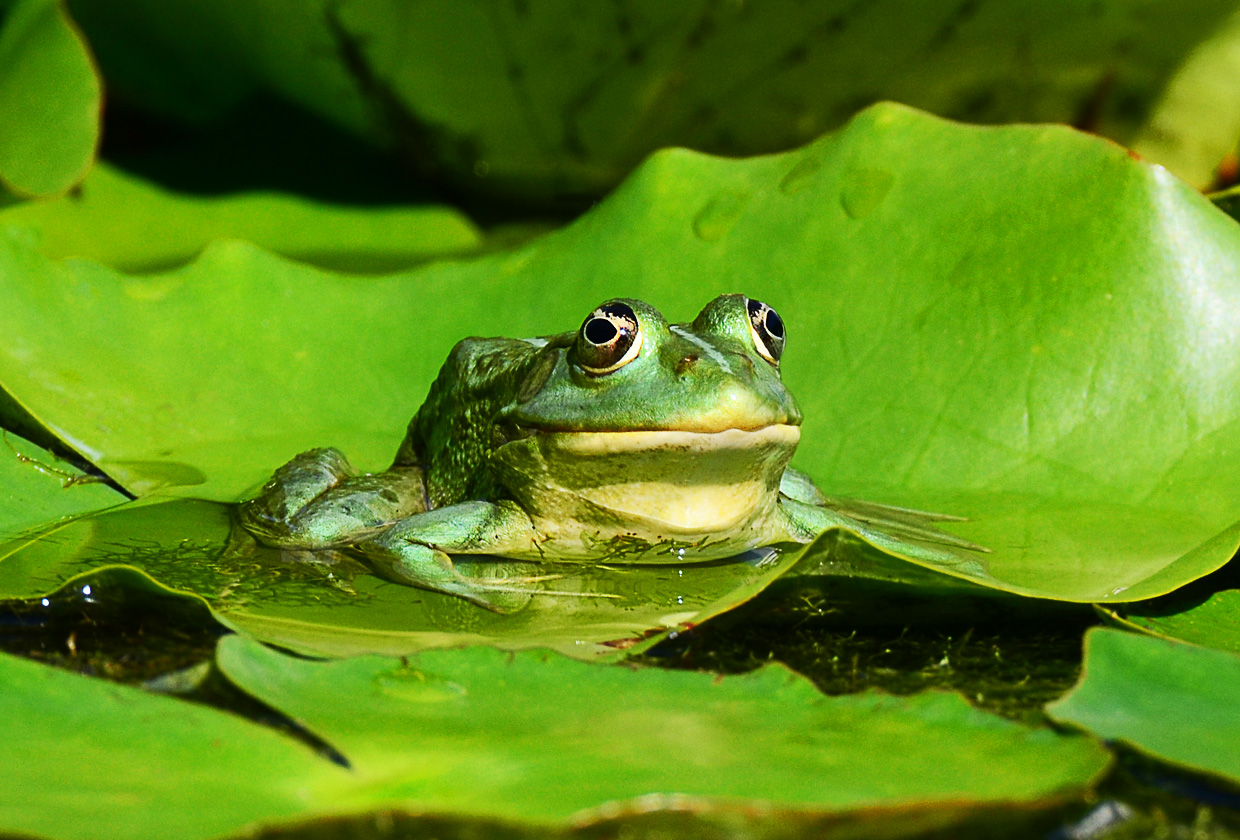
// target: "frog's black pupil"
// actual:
[[600, 331], [774, 324]]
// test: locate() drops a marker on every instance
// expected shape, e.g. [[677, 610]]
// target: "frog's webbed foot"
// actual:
[[317, 500], [811, 513], [415, 551]]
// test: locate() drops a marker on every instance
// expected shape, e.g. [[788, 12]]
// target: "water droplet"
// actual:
[[715, 219], [800, 176], [86, 590], [45, 602], [863, 190]]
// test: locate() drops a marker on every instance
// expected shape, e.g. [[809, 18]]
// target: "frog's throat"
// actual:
[[689, 483]]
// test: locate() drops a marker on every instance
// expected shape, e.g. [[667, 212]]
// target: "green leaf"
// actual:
[[1174, 701], [585, 611], [505, 100], [1212, 622], [87, 758], [539, 737], [36, 488], [130, 224], [49, 100], [1064, 375], [532, 738]]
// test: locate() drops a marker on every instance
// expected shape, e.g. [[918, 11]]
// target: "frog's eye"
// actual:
[[609, 339], [767, 329]]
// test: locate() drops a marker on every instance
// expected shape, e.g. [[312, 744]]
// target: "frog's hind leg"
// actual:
[[415, 551], [808, 512], [317, 500]]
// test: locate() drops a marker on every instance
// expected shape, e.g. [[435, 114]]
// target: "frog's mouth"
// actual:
[[596, 444], [695, 482]]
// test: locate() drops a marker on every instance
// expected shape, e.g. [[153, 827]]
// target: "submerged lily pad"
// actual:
[[1064, 375], [36, 488], [50, 98], [532, 738], [130, 224], [340, 609], [1174, 701]]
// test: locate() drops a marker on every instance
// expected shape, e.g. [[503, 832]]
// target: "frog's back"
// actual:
[[455, 430]]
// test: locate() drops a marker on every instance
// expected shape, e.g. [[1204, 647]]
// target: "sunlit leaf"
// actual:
[[49, 100], [127, 223], [1064, 374], [1174, 701]]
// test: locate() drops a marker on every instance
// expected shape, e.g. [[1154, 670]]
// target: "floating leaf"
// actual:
[[472, 731], [1212, 622], [475, 733], [506, 99], [340, 609], [36, 488], [1064, 375], [49, 100], [87, 758], [1174, 701], [129, 224]]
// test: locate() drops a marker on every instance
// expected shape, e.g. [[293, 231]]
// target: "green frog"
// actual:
[[627, 441]]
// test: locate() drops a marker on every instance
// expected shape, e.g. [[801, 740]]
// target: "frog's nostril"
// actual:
[[686, 362]]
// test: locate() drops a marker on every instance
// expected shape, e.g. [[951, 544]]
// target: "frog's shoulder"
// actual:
[[452, 431]]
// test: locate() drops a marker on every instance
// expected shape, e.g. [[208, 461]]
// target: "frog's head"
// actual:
[[687, 425], [627, 369]]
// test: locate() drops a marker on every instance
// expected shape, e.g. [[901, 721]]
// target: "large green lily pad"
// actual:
[[1064, 375], [532, 738], [1174, 701], [37, 489], [50, 97], [587, 612], [507, 99], [130, 224]]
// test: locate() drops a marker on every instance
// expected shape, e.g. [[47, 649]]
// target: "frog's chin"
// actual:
[[689, 483]]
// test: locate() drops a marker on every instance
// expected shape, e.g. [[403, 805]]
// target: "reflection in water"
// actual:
[[333, 604]]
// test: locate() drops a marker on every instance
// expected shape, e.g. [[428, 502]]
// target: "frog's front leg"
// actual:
[[415, 551], [317, 500]]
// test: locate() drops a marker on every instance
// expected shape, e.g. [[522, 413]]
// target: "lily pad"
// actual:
[[1064, 375], [585, 611], [1174, 701], [473, 733], [50, 98], [507, 100], [133, 225], [36, 488], [1212, 622]]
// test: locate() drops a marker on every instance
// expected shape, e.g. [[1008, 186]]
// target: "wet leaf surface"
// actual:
[[340, 609]]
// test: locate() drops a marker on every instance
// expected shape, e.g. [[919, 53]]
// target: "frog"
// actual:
[[628, 441]]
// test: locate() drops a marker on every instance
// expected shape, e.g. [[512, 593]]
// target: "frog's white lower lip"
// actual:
[[586, 444]]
